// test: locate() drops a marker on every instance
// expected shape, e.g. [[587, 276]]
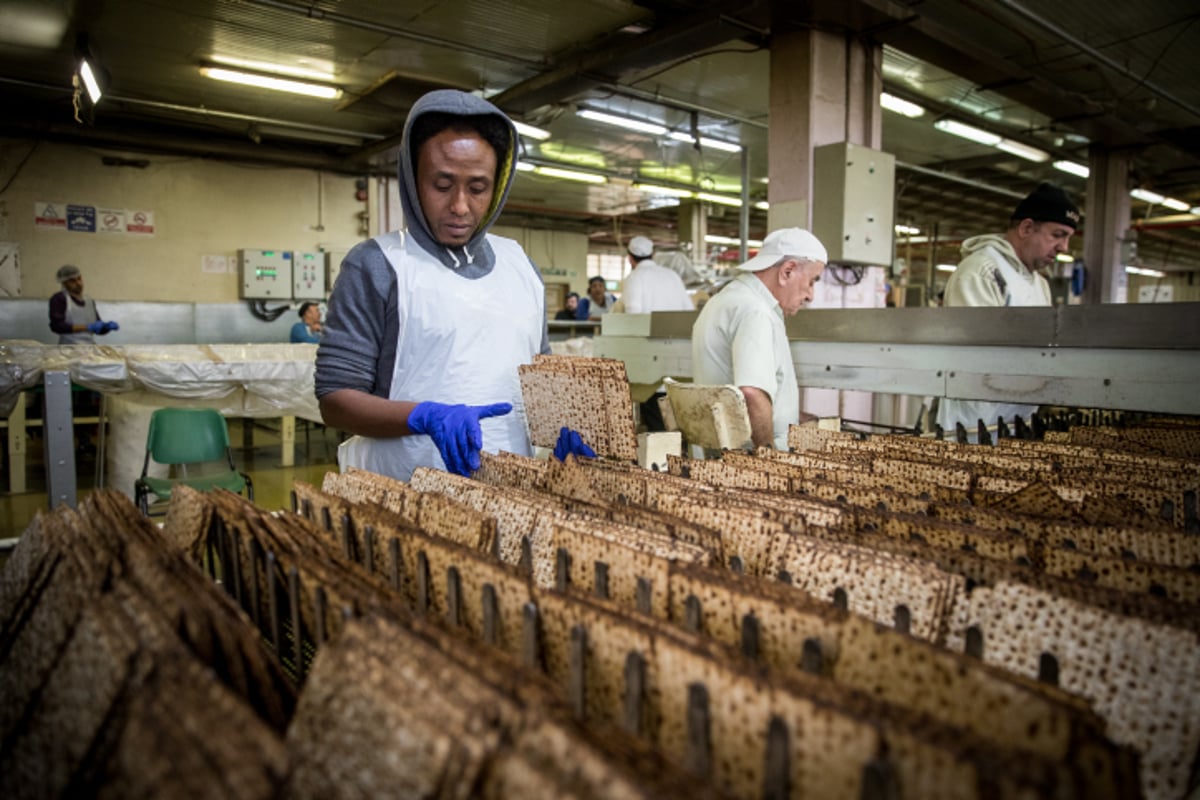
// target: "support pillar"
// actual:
[[1106, 227], [825, 89], [693, 227]]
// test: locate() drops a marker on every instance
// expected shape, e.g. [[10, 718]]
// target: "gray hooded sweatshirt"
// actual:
[[358, 349]]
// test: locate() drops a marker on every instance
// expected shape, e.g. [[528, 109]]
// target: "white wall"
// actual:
[[201, 208]]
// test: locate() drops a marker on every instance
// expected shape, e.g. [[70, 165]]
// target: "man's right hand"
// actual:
[[97, 327], [455, 430]]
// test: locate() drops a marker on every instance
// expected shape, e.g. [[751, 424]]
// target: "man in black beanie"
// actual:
[[1002, 270]]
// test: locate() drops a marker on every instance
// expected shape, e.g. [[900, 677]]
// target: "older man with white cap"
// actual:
[[651, 286], [739, 337], [73, 316]]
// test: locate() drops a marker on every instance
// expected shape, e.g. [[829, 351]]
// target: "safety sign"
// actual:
[[81, 218], [50, 215], [110, 220], [140, 222]]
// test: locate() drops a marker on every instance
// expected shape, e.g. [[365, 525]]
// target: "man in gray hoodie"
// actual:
[[426, 326], [1003, 270]]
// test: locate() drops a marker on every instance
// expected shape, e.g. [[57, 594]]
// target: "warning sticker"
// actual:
[[81, 218], [50, 215], [140, 222], [110, 220]]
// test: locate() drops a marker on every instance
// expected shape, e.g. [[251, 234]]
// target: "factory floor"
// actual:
[[315, 454]]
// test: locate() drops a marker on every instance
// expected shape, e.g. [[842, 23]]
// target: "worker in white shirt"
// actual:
[[650, 286]]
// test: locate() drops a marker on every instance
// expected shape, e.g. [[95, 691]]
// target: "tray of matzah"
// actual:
[[588, 395]]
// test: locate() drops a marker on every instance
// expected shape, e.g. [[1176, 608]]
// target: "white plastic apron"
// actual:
[[460, 341], [1021, 289], [79, 315]]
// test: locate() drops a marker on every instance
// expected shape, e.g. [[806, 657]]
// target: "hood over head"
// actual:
[[477, 251]]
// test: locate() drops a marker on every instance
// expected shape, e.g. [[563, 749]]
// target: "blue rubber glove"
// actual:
[[570, 443], [111, 326], [455, 430], [96, 327]]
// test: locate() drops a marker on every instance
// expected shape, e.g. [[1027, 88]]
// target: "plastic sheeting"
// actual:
[[239, 380]]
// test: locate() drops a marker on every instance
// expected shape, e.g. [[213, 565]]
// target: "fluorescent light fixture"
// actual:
[[907, 230], [762, 205], [268, 82], [729, 240], [1146, 196], [1023, 150], [712, 144], [1196, 210], [270, 68], [1075, 169], [967, 132], [668, 191], [652, 128], [531, 131], [571, 175], [1065, 258], [947, 267], [89, 80], [1174, 205], [900, 106], [525, 166], [717, 198], [1149, 273]]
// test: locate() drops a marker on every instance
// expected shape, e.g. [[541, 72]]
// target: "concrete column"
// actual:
[[824, 89], [1106, 227], [693, 227]]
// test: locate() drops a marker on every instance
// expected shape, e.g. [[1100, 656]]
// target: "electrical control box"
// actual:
[[853, 203], [266, 274], [309, 272]]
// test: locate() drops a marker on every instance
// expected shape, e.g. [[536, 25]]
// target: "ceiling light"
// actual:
[[525, 166], [717, 198], [762, 205], [714, 239], [571, 175], [1196, 210], [907, 230], [1075, 169], [713, 144], [623, 122], [1149, 273], [967, 132], [669, 191], [1065, 258], [947, 267], [268, 82], [271, 68], [896, 104], [89, 80], [1146, 196], [531, 131], [1174, 205], [1023, 150]]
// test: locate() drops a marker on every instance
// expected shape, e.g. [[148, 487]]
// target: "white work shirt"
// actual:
[[653, 287], [739, 339]]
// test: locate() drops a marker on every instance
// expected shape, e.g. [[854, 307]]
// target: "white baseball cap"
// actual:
[[641, 247], [795, 242]]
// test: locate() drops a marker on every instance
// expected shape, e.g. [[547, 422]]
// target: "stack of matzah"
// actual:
[[588, 395]]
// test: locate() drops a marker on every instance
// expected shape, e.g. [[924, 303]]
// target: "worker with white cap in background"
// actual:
[[73, 315], [739, 337], [651, 286]]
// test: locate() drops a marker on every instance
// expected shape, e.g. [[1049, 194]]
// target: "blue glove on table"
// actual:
[[97, 327], [570, 443], [455, 430], [111, 326]]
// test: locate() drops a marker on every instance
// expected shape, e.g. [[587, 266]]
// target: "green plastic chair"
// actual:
[[195, 439]]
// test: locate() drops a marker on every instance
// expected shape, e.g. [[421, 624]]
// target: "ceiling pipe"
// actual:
[[1083, 47], [1155, 226], [202, 112], [308, 10], [956, 179]]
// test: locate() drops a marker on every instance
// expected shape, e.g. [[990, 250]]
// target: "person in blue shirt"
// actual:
[[598, 302], [308, 329]]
